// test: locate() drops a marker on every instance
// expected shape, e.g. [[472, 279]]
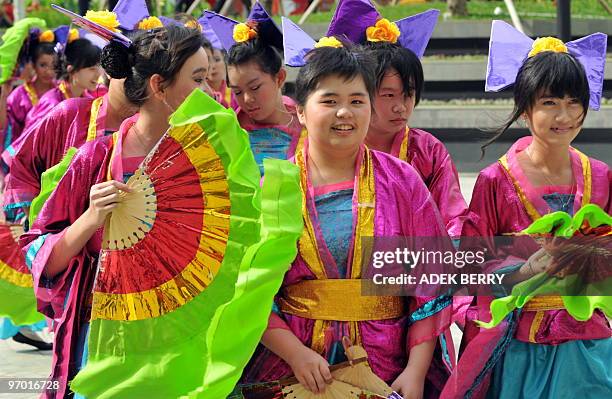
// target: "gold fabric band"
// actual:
[[338, 300]]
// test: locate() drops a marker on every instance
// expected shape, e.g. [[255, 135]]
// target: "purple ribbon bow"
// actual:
[[353, 17], [267, 30], [130, 13], [509, 48]]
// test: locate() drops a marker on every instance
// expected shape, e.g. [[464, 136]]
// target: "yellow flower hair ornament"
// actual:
[[330, 41], [547, 44], [47, 37], [383, 31], [243, 33], [73, 35], [150, 23], [106, 19], [193, 24]]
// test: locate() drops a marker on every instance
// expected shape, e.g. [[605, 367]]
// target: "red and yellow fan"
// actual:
[[19, 302], [196, 240]]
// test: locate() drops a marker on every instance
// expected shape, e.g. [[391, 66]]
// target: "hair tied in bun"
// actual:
[[117, 60]]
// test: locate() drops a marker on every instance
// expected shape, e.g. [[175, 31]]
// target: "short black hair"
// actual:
[[80, 53], [347, 62], [547, 73], [404, 61], [267, 57]]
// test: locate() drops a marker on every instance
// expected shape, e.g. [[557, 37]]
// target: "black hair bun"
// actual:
[[116, 60]]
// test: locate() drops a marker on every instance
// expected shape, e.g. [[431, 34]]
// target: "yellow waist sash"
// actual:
[[550, 302], [338, 300]]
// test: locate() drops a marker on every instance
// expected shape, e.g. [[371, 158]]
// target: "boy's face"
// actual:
[[392, 108]]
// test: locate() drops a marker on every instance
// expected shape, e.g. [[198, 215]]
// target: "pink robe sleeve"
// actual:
[[46, 104], [484, 221], [67, 203], [38, 149], [424, 220], [436, 166]]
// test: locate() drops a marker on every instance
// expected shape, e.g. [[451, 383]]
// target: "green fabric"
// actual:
[[561, 224], [18, 304], [12, 40], [580, 299], [48, 181], [243, 320], [169, 356]]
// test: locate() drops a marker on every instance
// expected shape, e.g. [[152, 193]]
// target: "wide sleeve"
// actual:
[[430, 315], [483, 224], [65, 205], [446, 191], [34, 154]]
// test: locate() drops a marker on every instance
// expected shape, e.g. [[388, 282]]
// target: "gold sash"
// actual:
[[92, 130], [31, 93], [403, 152], [338, 300]]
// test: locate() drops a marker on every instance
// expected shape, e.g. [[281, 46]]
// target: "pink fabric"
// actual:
[[333, 187], [403, 208], [44, 144], [496, 209], [18, 104], [66, 298], [535, 193], [430, 158], [45, 105]]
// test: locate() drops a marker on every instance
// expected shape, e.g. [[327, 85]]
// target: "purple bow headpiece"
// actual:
[[93, 27], [509, 48], [296, 43], [266, 29], [209, 33], [61, 33], [353, 18], [130, 13]]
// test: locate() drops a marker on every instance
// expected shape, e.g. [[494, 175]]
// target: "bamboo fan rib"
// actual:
[[134, 216], [360, 374]]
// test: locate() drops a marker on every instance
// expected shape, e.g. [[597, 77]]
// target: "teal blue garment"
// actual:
[[9, 330], [580, 369], [560, 202], [335, 211], [82, 352], [575, 370], [269, 143]]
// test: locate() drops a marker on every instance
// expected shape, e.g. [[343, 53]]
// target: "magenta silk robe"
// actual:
[[46, 103], [45, 143], [403, 207], [496, 209], [66, 298], [18, 104], [430, 158]]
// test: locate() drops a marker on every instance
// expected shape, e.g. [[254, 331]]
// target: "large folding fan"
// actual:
[[18, 303], [191, 260]]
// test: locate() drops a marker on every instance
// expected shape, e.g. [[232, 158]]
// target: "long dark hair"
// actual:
[[551, 73], [161, 51]]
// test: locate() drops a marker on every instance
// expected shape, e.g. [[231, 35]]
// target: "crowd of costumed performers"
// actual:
[[175, 225]]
